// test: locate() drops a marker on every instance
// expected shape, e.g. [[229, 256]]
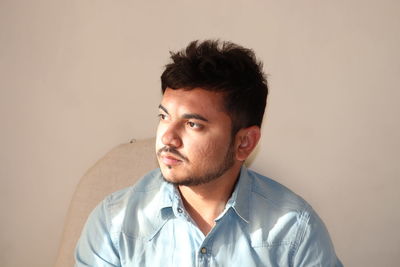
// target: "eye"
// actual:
[[194, 125], [162, 116]]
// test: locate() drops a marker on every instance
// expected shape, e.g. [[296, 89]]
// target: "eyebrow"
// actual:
[[163, 108], [186, 115]]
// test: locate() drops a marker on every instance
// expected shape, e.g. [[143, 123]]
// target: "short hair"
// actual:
[[222, 67]]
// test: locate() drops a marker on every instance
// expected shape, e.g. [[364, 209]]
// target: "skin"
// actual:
[[196, 152]]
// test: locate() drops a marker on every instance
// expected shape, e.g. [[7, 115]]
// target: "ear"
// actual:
[[246, 140]]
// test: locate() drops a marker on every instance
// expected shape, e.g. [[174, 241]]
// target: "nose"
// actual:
[[171, 137]]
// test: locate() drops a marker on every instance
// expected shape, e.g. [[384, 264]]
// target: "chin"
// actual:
[[171, 180], [167, 172], [170, 177]]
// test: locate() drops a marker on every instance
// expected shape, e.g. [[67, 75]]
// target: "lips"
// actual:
[[170, 160]]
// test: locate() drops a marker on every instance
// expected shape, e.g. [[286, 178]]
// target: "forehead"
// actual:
[[194, 101]]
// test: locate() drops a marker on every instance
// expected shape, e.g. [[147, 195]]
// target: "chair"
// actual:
[[119, 168]]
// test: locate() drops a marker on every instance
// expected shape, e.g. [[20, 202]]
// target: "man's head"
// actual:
[[214, 96], [226, 68]]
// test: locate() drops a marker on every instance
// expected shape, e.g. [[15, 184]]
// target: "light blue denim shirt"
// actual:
[[263, 224]]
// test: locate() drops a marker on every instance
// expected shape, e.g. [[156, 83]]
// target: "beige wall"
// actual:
[[79, 77]]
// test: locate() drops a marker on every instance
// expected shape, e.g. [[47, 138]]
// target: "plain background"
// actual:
[[78, 77]]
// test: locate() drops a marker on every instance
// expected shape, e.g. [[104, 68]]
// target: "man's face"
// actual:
[[194, 144]]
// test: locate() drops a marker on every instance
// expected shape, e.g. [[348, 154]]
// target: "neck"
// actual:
[[205, 202]]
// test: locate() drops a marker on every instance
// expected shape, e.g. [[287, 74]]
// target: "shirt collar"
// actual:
[[169, 200], [239, 200]]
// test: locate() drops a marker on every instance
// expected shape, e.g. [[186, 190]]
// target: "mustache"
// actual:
[[172, 150]]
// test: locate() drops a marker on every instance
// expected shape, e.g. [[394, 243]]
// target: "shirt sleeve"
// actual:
[[95, 246], [315, 248]]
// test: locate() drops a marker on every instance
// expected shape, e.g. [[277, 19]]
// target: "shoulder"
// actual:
[[150, 182], [277, 213], [100, 236], [275, 194], [134, 211], [110, 214], [148, 185], [284, 218]]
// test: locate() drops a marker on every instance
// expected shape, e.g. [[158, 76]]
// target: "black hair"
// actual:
[[222, 67]]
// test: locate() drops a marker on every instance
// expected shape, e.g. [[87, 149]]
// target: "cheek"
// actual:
[[206, 150], [159, 129], [159, 134]]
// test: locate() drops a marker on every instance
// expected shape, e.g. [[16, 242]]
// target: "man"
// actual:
[[203, 207]]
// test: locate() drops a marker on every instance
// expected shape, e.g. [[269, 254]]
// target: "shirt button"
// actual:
[[180, 210], [203, 250]]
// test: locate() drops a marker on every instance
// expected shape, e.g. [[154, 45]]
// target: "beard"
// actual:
[[211, 174]]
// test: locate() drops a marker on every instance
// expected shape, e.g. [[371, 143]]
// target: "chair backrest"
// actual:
[[119, 168]]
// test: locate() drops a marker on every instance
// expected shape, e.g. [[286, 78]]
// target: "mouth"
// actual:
[[170, 157], [170, 160]]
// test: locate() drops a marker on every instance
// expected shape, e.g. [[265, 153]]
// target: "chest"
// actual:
[[230, 243]]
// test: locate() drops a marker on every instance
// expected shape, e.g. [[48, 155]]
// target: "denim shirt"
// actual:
[[263, 224]]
